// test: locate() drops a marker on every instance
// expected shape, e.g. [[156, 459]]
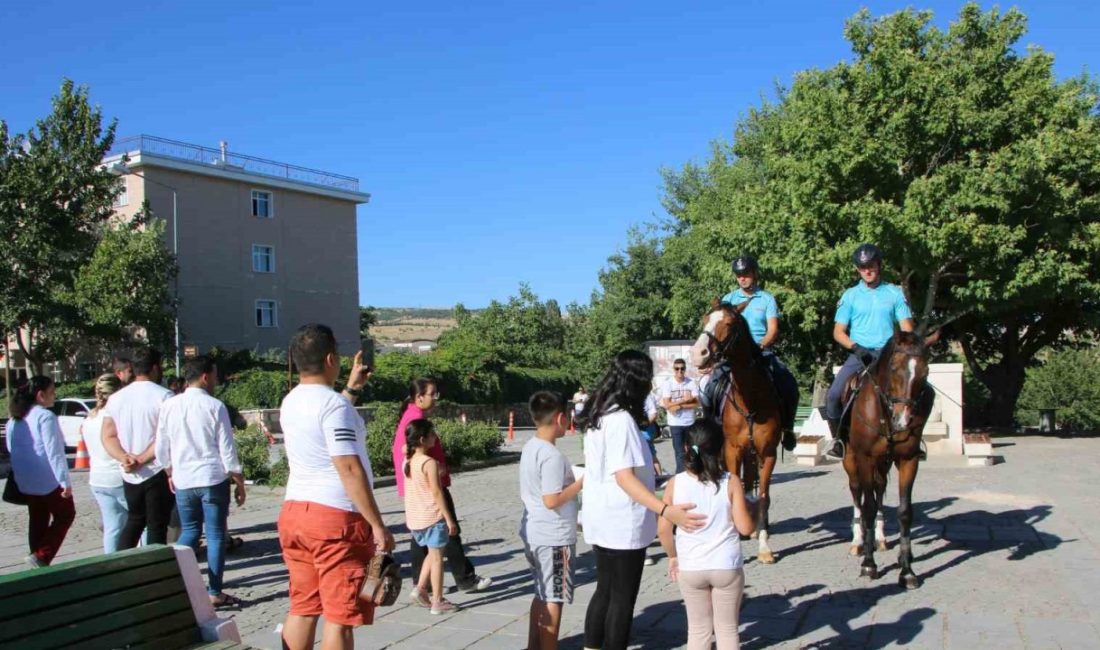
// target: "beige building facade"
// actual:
[[263, 247]]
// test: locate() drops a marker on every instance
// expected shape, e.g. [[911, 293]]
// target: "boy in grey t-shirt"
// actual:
[[549, 524]]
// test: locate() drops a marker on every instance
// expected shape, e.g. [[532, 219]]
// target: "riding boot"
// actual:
[[789, 439], [836, 451]]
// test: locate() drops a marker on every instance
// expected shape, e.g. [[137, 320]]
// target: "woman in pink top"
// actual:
[[423, 395]]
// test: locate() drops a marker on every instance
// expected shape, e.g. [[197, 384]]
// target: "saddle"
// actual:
[[712, 396]]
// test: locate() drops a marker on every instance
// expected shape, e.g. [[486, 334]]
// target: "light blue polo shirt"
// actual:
[[870, 314], [762, 306]]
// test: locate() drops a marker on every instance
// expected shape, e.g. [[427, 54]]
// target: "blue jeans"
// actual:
[[678, 445], [206, 507], [112, 506], [852, 365]]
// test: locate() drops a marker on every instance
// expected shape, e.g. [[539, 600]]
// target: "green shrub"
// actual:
[[1069, 381], [252, 449], [254, 389], [466, 442], [520, 383], [280, 472], [76, 389], [380, 431]]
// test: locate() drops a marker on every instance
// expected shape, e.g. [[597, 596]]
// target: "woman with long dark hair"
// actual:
[[422, 397], [620, 509], [41, 469]]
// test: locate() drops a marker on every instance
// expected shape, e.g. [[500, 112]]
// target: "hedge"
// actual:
[[1069, 381]]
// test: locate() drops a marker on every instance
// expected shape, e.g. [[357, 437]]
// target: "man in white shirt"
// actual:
[[679, 397], [330, 525], [129, 436], [196, 447]]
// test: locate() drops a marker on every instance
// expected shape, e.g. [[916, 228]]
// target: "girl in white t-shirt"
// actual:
[[620, 509], [707, 562], [105, 477]]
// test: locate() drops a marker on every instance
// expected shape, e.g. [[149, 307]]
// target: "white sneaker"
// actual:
[[480, 584], [648, 561]]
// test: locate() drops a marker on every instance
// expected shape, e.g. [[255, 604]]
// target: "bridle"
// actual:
[[887, 401], [721, 347]]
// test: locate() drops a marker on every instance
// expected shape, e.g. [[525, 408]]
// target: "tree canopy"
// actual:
[[967, 161]]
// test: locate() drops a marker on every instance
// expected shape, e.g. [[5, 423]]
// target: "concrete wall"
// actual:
[[316, 261]]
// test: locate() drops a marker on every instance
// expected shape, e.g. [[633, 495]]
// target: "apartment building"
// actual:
[[263, 247]]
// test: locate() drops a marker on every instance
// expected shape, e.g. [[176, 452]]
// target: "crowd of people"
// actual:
[[155, 452]]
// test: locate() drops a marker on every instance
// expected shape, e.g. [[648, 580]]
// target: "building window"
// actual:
[[262, 204], [267, 313], [123, 198], [263, 259]]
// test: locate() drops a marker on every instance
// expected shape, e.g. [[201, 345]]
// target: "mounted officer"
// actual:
[[762, 315], [864, 323]]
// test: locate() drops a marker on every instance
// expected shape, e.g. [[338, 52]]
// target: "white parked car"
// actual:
[[71, 412]]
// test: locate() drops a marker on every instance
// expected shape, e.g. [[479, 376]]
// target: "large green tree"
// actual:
[[57, 239], [965, 159]]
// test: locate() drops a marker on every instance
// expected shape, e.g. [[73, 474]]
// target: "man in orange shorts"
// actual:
[[330, 525]]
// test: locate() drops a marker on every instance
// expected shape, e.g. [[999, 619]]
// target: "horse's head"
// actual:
[[723, 327], [903, 369]]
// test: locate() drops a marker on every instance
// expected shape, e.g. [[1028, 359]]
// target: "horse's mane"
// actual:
[[731, 309]]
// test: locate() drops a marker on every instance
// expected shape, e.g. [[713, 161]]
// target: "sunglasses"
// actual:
[[679, 367]]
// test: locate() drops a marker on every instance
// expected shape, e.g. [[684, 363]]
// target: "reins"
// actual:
[[886, 402]]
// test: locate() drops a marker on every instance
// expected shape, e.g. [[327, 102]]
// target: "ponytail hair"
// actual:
[[417, 387], [105, 386], [25, 395], [415, 434], [703, 452]]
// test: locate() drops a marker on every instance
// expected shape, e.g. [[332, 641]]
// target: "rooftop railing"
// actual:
[[227, 159]]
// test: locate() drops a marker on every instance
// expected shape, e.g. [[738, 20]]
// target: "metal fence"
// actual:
[[205, 155]]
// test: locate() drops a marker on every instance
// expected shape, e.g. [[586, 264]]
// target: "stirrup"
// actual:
[[836, 451]]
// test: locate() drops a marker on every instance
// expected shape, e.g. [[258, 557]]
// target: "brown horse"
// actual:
[[750, 408], [887, 420]]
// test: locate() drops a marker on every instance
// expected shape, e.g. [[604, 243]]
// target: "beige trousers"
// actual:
[[713, 601]]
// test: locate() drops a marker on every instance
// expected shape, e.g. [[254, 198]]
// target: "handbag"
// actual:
[[382, 584], [12, 493]]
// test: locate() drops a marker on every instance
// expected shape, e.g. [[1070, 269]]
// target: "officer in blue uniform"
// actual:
[[864, 323], [762, 315]]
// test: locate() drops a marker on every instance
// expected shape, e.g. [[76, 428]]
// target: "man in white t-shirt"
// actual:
[[679, 397], [579, 398], [129, 436], [330, 525]]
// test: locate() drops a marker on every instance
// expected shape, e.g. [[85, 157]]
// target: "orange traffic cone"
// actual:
[[511, 426], [83, 461]]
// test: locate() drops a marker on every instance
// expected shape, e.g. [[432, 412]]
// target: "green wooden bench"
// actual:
[[801, 414], [136, 599]]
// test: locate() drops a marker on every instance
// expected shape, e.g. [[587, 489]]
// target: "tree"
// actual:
[[78, 277], [1068, 380], [368, 316], [968, 162]]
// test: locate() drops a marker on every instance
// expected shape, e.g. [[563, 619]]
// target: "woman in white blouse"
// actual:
[[105, 477]]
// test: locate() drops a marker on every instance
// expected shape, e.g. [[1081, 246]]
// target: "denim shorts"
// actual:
[[434, 536]]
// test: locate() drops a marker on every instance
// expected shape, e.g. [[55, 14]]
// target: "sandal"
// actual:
[[224, 600], [233, 543]]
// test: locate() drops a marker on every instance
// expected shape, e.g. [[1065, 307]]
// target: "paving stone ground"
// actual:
[[1009, 554]]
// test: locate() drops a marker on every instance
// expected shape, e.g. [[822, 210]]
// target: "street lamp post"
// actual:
[[122, 169]]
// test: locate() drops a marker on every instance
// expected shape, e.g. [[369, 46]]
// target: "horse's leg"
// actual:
[[880, 527], [853, 485], [907, 475], [764, 553], [868, 509]]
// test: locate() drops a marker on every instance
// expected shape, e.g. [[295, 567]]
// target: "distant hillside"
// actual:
[[396, 324]]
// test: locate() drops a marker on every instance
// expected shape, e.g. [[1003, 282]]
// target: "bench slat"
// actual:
[[66, 572], [181, 639], [146, 622], [88, 594], [217, 645], [78, 612]]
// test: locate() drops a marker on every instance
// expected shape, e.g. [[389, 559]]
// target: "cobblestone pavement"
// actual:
[[1009, 554]]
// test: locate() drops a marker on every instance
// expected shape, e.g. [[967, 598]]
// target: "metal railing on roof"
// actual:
[[215, 157]]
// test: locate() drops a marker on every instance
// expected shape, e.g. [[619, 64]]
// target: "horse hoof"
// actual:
[[854, 550], [765, 557], [869, 572], [909, 581], [880, 546], [754, 534]]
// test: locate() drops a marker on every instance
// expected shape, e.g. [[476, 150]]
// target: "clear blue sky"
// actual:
[[502, 142]]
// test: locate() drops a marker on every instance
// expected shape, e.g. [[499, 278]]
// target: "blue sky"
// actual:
[[501, 141]]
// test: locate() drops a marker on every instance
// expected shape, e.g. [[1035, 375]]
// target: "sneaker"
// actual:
[[419, 597], [444, 606], [836, 452], [648, 561], [478, 584], [33, 560]]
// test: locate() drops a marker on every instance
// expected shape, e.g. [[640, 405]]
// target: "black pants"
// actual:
[[611, 610], [461, 568], [150, 504]]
